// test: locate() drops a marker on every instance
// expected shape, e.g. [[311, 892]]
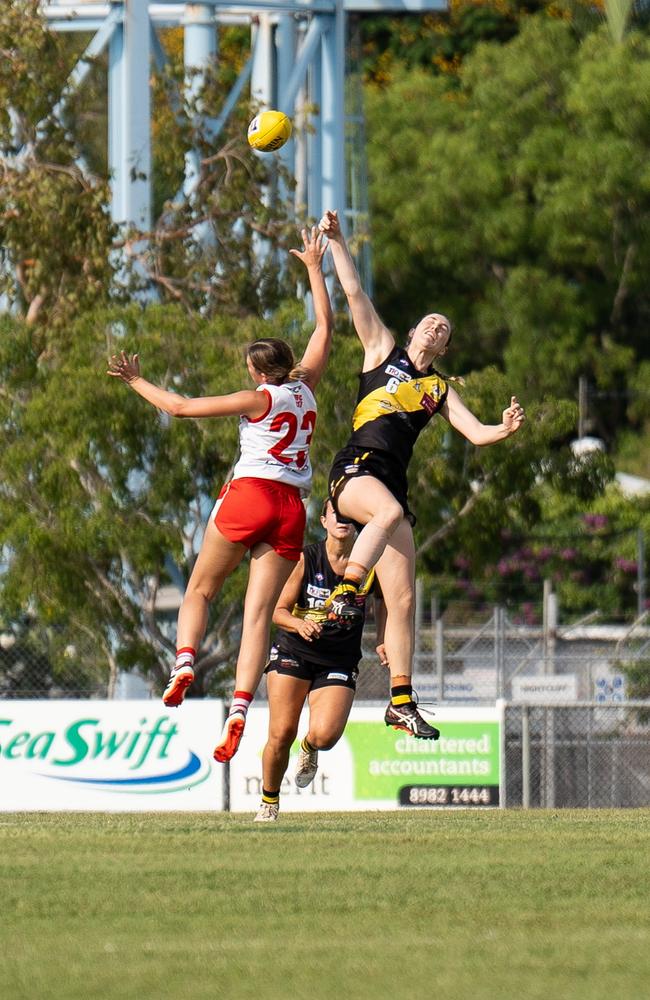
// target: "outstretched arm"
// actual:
[[247, 402], [314, 360], [375, 336], [464, 421]]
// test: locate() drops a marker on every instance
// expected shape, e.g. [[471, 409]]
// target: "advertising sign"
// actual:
[[374, 767], [475, 684], [121, 756], [545, 690]]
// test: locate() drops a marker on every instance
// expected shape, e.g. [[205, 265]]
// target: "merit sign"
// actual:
[[121, 756]]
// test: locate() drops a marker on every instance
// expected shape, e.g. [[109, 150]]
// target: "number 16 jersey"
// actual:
[[276, 445]]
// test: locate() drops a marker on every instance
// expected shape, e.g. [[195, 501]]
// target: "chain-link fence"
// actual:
[[37, 662], [464, 656], [578, 756], [492, 656]]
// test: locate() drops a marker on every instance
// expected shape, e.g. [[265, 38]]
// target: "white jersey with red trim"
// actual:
[[276, 445]]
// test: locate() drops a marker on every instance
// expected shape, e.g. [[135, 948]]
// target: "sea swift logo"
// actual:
[[88, 751]]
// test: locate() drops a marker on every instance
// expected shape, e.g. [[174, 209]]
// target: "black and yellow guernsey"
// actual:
[[395, 403], [334, 645]]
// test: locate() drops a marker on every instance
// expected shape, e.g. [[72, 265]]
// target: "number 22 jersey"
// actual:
[[276, 445]]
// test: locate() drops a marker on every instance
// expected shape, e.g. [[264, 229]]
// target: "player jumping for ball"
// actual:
[[399, 392], [260, 509]]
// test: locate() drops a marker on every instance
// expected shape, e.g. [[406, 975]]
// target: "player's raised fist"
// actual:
[[329, 224]]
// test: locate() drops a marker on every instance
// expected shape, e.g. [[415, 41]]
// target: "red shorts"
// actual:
[[260, 510]]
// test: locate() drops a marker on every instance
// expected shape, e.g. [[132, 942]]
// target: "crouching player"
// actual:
[[312, 658]]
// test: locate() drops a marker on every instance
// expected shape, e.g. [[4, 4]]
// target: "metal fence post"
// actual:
[[549, 757], [499, 650], [525, 756], [440, 659], [419, 615]]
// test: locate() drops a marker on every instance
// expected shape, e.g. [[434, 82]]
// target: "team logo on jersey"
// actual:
[[319, 577]]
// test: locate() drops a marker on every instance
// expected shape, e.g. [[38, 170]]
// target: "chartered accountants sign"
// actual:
[[373, 767], [120, 756]]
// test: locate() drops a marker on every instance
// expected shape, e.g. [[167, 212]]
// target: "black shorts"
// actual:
[[320, 675], [352, 462]]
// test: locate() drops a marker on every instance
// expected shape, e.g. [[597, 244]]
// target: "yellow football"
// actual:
[[268, 131]]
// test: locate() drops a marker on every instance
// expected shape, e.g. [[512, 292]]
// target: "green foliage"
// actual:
[[584, 540], [441, 40], [98, 489], [217, 246], [55, 230], [515, 198], [94, 502]]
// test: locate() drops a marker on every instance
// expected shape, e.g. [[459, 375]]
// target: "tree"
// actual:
[[515, 199], [55, 230], [61, 252], [98, 489], [439, 41]]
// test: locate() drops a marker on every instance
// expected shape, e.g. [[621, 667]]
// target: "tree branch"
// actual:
[[450, 525], [623, 287]]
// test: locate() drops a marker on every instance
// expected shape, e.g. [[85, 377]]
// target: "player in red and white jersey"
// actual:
[[260, 509], [276, 445]]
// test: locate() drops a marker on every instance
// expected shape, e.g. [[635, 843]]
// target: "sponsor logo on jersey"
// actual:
[[430, 403], [396, 373], [319, 592]]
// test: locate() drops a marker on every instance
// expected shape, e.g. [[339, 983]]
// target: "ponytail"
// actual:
[[274, 358], [297, 374]]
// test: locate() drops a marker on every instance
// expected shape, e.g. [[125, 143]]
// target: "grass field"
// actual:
[[443, 904]]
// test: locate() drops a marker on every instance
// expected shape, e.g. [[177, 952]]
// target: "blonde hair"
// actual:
[[274, 358]]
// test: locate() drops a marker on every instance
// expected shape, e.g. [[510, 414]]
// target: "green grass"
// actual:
[[478, 905]]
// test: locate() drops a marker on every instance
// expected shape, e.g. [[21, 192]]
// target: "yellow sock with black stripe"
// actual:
[[306, 746], [271, 798], [401, 694]]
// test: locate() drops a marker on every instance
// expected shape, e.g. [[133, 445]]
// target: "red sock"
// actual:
[[240, 702], [185, 657]]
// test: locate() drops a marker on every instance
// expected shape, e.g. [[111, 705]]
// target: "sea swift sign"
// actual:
[[109, 755]]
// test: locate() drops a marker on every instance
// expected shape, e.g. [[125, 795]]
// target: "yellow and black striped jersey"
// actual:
[[395, 403], [334, 645]]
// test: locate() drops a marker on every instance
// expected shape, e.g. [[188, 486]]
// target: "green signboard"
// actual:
[[462, 768]]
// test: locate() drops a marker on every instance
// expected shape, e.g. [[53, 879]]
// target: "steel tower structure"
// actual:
[[297, 59]]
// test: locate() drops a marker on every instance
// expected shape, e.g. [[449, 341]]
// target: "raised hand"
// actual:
[[314, 248], [124, 366], [330, 225], [513, 416]]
